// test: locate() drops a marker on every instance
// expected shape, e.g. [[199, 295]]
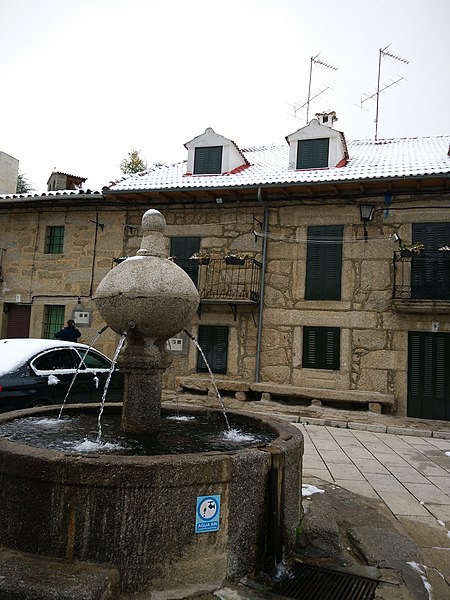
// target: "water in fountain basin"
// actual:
[[78, 434]]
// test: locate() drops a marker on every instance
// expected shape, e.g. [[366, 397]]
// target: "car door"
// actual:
[[97, 368], [57, 368]]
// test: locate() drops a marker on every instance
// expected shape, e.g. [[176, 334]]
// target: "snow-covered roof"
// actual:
[[50, 194], [368, 160]]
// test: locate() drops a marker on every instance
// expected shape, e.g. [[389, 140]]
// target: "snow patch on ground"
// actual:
[[423, 575], [309, 490]]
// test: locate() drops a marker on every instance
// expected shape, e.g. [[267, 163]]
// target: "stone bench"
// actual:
[[374, 400], [272, 391], [239, 387]]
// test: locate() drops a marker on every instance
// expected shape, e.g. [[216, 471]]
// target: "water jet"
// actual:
[[138, 513]]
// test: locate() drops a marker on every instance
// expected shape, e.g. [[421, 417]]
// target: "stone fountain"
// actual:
[[136, 515]]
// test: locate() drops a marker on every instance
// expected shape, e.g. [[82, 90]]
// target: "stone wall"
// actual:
[[373, 351]]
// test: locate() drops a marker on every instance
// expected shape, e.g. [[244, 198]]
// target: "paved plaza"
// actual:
[[409, 474]]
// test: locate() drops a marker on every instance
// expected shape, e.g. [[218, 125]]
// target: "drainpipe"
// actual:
[[262, 284]]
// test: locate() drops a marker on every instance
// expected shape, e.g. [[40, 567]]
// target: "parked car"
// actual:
[[38, 372]]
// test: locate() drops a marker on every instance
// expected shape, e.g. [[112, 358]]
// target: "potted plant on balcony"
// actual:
[[235, 259], [407, 250], [201, 257]]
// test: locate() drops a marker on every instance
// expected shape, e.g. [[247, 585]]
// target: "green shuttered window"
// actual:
[[321, 348], [213, 340], [429, 375], [431, 278], [182, 248], [324, 263], [53, 320], [208, 160], [312, 154], [54, 240]]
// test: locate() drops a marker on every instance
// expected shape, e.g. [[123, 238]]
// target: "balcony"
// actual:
[[221, 283], [422, 281]]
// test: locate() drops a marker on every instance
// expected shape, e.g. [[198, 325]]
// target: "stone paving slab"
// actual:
[[407, 475], [370, 465], [384, 483], [361, 487], [427, 492], [427, 532], [443, 483]]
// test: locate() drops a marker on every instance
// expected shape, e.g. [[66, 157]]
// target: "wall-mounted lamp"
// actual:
[[366, 211], [219, 200]]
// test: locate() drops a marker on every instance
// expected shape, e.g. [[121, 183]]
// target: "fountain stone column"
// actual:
[[151, 299]]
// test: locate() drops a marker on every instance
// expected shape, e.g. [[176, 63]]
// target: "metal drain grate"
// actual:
[[314, 583]]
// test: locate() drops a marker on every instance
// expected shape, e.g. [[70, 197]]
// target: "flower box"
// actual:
[[234, 260]]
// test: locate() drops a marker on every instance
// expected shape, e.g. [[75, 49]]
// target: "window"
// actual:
[[213, 340], [54, 240], [61, 360], [182, 248], [312, 154], [208, 160], [54, 320], [92, 360], [430, 271], [321, 348], [324, 262]]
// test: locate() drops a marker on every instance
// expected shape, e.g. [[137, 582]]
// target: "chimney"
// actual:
[[64, 181], [327, 118]]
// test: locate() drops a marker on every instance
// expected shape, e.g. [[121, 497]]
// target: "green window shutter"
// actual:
[[414, 371], [213, 340], [431, 278], [324, 263], [321, 348], [208, 160], [312, 154], [429, 375], [182, 248]]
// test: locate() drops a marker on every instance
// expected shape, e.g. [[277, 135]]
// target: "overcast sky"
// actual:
[[85, 81]]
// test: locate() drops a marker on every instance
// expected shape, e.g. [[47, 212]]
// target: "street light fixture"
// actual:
[[367, 212]]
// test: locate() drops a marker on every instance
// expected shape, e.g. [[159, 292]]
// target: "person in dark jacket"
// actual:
[[69, 333]]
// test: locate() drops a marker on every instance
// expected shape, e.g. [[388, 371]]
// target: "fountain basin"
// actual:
[[138, 513]]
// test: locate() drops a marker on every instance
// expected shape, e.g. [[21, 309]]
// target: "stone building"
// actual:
[[322, 305], [9, 171]]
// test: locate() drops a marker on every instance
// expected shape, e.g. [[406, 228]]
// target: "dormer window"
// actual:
[[213, 154], [208, 160], [317, 146], [312, 154]]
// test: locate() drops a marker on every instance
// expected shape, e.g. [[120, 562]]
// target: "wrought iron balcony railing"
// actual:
[[221, 282], [422, 276]]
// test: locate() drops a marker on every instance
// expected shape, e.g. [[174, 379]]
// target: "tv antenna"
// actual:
[[382, 53], [315, 60]]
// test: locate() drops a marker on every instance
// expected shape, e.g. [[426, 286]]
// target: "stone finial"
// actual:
[[153, 226]]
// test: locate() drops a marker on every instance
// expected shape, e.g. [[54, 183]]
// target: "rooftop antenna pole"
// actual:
[[315, 61], [384, 52]]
